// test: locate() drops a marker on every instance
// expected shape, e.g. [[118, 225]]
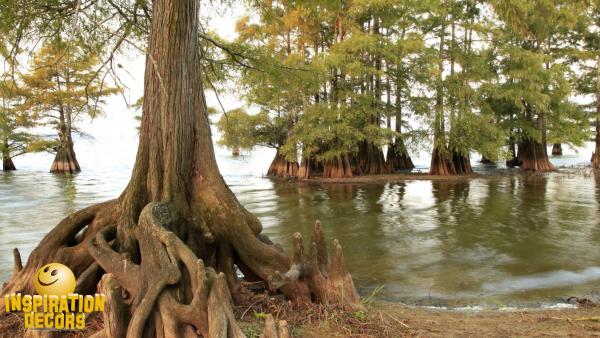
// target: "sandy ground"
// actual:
[[396, 320]]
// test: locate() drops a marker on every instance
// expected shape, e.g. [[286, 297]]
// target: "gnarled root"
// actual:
[[275, 331], [67, 243], [327, 277], [170, 285]]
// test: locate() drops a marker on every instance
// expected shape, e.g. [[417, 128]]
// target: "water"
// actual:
[[500, 240]]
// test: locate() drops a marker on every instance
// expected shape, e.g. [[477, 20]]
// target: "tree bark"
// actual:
[[441, 165], [173, 239]]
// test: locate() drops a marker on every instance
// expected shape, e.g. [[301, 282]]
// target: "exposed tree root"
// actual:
[[275, 331], [68, 244], [168, 291], [328, 279], [171, 292]]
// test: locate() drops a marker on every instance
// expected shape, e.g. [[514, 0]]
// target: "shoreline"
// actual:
[[586, 171]]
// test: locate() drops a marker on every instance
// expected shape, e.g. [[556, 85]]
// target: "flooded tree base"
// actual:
[[7, 164], [281, 167], [534, 157]]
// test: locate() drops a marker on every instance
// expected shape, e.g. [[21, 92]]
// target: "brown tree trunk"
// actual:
[[281, 167], [371, 161], [7, 163], [173, 239], [441, 165], [235, 151], [337, 168], [398, 158], [557, 149], [596, 153], [65, 160], [533, 156], [462, 164]]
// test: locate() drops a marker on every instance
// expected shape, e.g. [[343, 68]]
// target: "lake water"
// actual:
[[500, 240]]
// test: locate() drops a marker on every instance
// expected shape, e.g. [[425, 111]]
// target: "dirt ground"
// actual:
[[395, 320]]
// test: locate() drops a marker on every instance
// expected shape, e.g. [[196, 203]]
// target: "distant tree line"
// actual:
[[340, 81]]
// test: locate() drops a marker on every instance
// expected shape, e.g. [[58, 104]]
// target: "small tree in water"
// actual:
[[16, 137], [62, 88]]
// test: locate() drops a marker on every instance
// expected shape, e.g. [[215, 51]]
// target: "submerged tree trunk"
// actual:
[[534, 156], [557, 149], [65, 160], [7, 163], [175, 237], [281, 167]]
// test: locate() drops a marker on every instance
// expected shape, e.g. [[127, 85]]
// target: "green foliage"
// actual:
[[15, 123], [62, 86]]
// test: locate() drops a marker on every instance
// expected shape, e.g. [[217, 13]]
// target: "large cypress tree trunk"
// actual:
[[441, 159], [462, 163], [534, 156], [173, 239], [65, 160]]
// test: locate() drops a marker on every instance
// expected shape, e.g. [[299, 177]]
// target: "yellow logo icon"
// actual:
[[54, 279]]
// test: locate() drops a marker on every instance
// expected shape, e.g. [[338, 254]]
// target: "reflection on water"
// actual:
[[508, 239]]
